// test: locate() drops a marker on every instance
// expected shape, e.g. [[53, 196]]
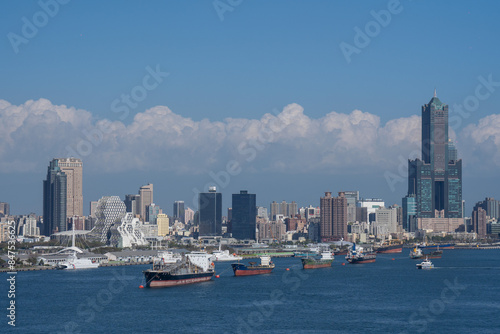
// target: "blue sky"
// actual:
[[262, 57]]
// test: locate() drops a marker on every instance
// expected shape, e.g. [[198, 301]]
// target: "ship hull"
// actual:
[[435, 247], [242, 270], [390, 249], [159, 279], [341, 252], [356, 261], [308, 264]]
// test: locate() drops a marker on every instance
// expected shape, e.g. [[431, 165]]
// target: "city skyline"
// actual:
[[301, 116]]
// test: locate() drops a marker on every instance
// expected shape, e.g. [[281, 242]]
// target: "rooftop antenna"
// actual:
[[435, 92]]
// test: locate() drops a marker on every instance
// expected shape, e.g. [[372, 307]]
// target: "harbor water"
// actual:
[[460, 295]]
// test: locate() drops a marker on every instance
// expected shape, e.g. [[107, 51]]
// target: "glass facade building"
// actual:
[[244, 215], [54, 200], [210, 213], [436, 180]]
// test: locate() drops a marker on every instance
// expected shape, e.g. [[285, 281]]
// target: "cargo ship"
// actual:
[[191, 268], [417, 253], [324, 262], [436, 246], [391, 246], [265, 267], [358, 256]]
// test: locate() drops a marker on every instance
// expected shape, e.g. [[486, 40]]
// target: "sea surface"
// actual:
[[461, 295]]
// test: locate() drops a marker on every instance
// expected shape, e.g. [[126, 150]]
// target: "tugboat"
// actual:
[[425, 264], [265, 267], [324, 262], [356, 256], [194, 267]]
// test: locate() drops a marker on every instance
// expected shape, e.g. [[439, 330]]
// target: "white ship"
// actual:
[[425, 265], [73, 262], [220, 255]]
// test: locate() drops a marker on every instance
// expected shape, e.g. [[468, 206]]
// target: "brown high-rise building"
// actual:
[[146, 198], [73, 167], [333, 217], [479, 220]]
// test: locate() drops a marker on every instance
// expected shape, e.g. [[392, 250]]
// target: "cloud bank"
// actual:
[[286, 141]]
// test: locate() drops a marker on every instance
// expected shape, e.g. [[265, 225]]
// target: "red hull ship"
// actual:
[[265, 267], [390, 248]]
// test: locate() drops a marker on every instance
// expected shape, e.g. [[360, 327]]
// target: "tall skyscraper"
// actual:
[[179, 211], [73, 168], [210, 213], [244, 216], [352, 200], [54, 199], [333, 217], [292, 209], [479, 220], [436, 180], [146, 198]]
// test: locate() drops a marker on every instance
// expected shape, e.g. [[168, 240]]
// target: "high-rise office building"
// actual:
[[436, 180], [54, 199], [352, 200], [292, 209], [333, 217], [244, 216], [188, 215], [146, 198], [4, 209], [73, 168], [492, 207], [179, 211], [133, 203], [409, 213], [479, 220], [210, 213], [152, 211]]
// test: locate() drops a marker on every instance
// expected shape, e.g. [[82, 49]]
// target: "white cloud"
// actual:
[[158, 139]]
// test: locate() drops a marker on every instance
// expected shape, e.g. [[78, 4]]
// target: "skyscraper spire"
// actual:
[[435, 92]]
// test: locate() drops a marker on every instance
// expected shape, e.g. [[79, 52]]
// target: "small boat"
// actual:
[[358, 256], [324, 262], [265, 267], [425, 264]]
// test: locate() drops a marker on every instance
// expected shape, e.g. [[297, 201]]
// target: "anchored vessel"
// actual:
[[194, 267], [356, 256], [323, 262], [221, 255], [391, 246], [436, 246], [265, 267]]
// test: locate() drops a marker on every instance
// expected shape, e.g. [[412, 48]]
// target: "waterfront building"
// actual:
[[210, 213], [479, 220], [409, 213], [179, 211], [446, 225], [333, 217], [127, 233], [436, 180], [54, 199], [386, 221], [244, 215], [371, 205], [110, 210], [73, 168]]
